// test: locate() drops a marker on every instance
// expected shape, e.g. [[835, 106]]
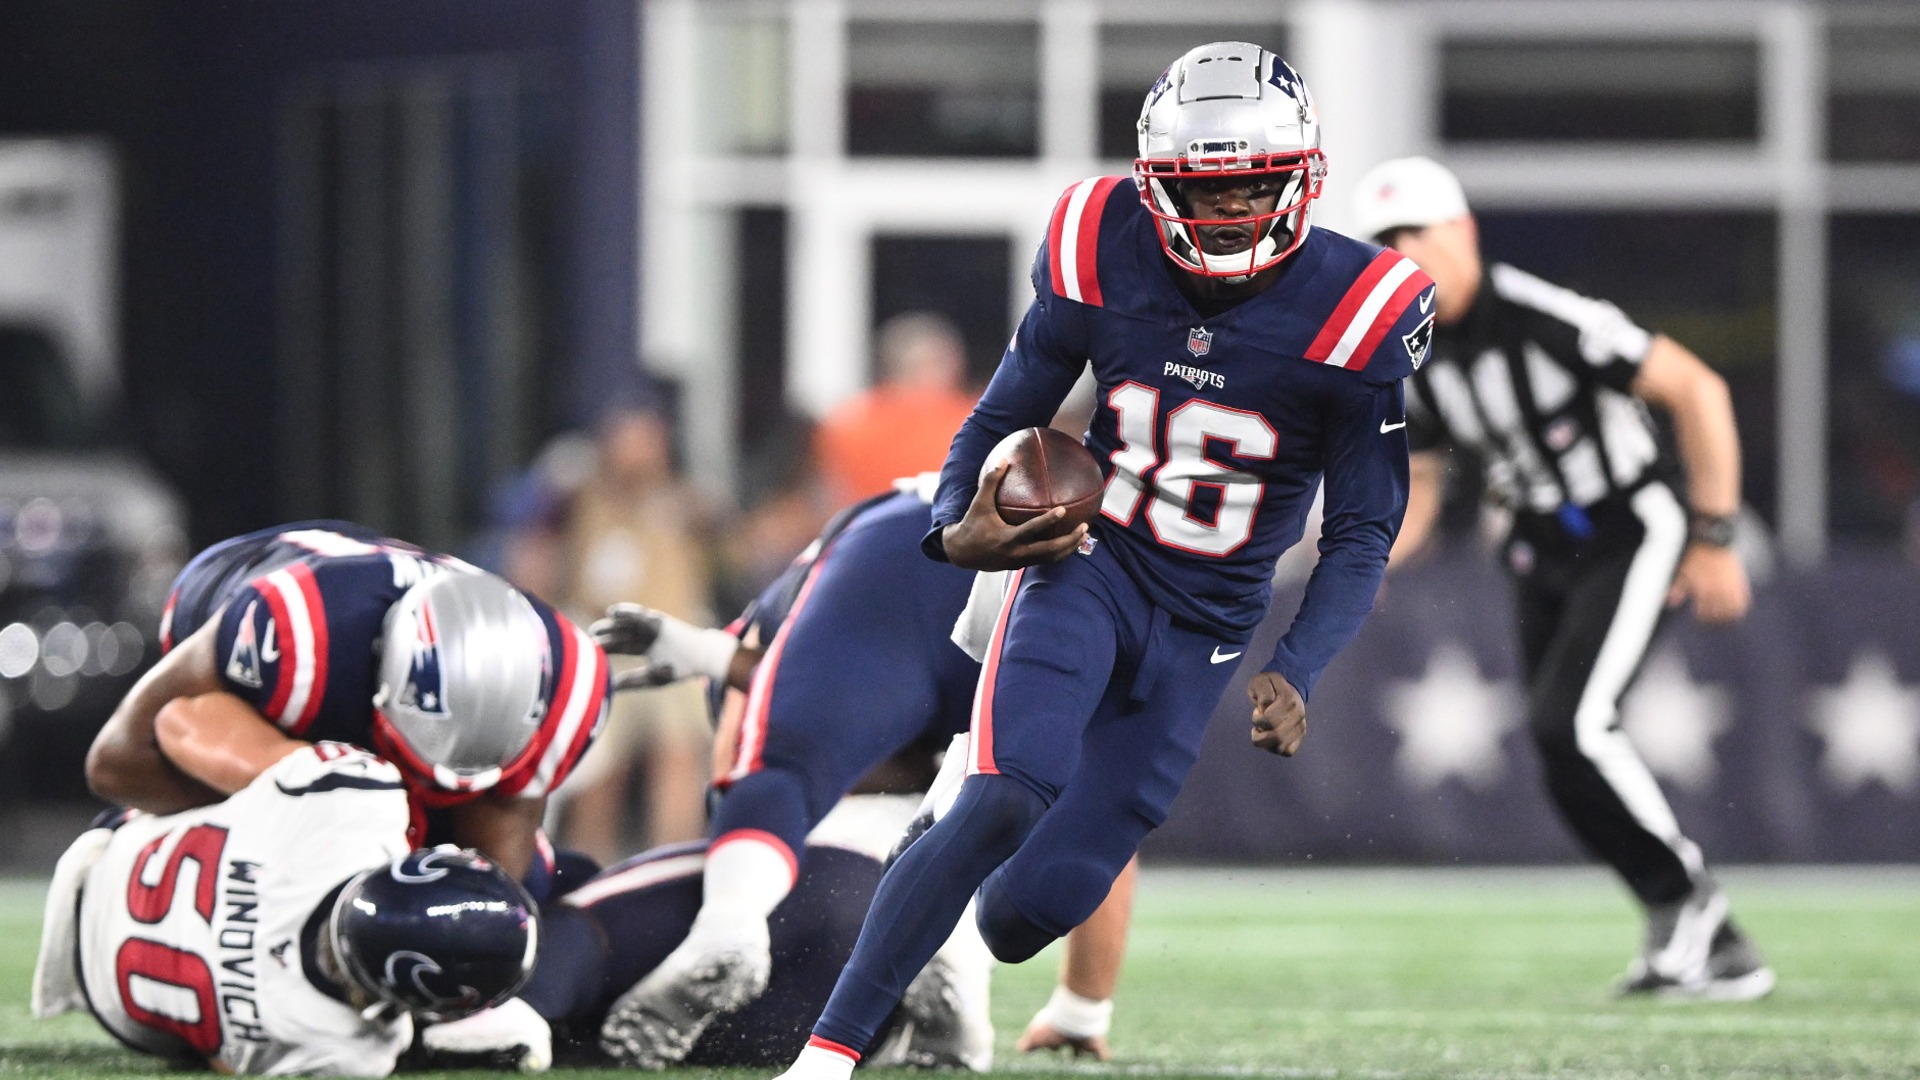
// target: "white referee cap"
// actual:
[[1408, 192]]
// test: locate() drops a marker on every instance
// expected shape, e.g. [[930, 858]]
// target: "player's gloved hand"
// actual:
[[983, 540], [1279, 715], [508, 1036], [675, 649], [1071, 1023], [627, 629]]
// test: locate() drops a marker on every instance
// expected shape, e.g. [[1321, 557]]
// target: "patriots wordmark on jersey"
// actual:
[[1215, 429], [196, 932]]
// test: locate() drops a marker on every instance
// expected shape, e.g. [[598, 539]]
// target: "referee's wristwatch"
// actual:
[[1713, 530]]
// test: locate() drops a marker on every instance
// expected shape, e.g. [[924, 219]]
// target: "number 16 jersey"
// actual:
[[1214, 428]]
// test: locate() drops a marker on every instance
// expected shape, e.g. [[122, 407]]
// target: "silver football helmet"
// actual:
[[1229, 110], [465, 675]]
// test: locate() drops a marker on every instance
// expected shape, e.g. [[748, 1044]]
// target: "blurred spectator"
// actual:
[[785, 505], [635, 532], [902, 425], [525, 541]]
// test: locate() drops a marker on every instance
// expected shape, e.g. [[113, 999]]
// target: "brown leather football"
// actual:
[[1050, 468]]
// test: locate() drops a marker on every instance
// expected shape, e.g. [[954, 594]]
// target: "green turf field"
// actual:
[[1467, 973]]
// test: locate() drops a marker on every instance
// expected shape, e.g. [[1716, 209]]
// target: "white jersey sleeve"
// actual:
[[192, 933]]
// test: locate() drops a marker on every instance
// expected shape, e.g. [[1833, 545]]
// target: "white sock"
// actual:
[[817, 1062], [946, 784], [747, 874], [967, 956]]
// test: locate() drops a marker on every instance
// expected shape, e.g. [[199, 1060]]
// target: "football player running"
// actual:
[[288, 929], [1242, 360], [484, 697]]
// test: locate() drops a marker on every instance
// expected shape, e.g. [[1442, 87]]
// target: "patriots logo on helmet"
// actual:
[[243, 664], [543, 700], [426, 688], [1160, 86], [1288, 81], [1199, 341]]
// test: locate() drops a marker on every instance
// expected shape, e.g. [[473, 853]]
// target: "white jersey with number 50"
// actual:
[[191, 925]]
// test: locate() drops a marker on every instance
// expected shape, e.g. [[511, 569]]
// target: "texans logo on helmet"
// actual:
[[420, 869], [426, 688], [406, 967]]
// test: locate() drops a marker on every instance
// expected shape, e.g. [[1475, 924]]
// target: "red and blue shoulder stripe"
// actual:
[[1073, 240], [1367, 310]]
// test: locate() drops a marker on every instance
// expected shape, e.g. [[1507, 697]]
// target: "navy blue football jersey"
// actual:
[[1214, 431], [301, 613]]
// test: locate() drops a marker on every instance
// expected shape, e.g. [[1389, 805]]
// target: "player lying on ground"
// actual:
[[1242, 360], [483, 696], [288, 929], [858, 666], [1548, 388], [610, 933]]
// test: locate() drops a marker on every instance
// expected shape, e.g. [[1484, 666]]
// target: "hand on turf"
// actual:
[[1714, 580], [984, 541], [1041, 1035], [1279, 716]]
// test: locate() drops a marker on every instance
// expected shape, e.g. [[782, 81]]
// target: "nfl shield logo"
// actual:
[[1199, 341]]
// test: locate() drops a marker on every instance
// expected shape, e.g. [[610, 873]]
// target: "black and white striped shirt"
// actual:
[[1535, 380]]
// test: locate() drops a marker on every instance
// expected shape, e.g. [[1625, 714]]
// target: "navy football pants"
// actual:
[[1091, 709], [861, 668], [618, 927]]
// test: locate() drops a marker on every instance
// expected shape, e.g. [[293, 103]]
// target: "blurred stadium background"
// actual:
[[591, 291]]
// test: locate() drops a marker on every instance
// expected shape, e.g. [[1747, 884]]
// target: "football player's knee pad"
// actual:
[[999, 809], [1022, 907], [1010, 934]]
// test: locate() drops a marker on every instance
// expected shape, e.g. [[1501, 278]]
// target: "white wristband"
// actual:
[[690, 650], [1076, 1017]]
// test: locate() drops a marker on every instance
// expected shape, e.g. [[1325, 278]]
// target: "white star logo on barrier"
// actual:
[[1871, 725], [1450, 721], [1673, 721]]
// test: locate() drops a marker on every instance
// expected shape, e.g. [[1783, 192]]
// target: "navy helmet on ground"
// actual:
[[439, 932]]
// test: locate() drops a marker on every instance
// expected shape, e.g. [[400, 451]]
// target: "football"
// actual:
[[1049, 469]]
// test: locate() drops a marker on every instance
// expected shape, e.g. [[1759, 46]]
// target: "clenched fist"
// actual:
[[1279, 715]]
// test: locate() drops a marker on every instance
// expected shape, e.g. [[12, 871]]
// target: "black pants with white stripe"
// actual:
[[1588, 610]]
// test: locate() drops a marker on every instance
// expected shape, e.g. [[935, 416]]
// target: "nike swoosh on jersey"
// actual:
[[1221, 658], [1426, 301], [1386, 427]]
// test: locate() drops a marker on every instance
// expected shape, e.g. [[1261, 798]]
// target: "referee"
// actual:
[[1548, 389]]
